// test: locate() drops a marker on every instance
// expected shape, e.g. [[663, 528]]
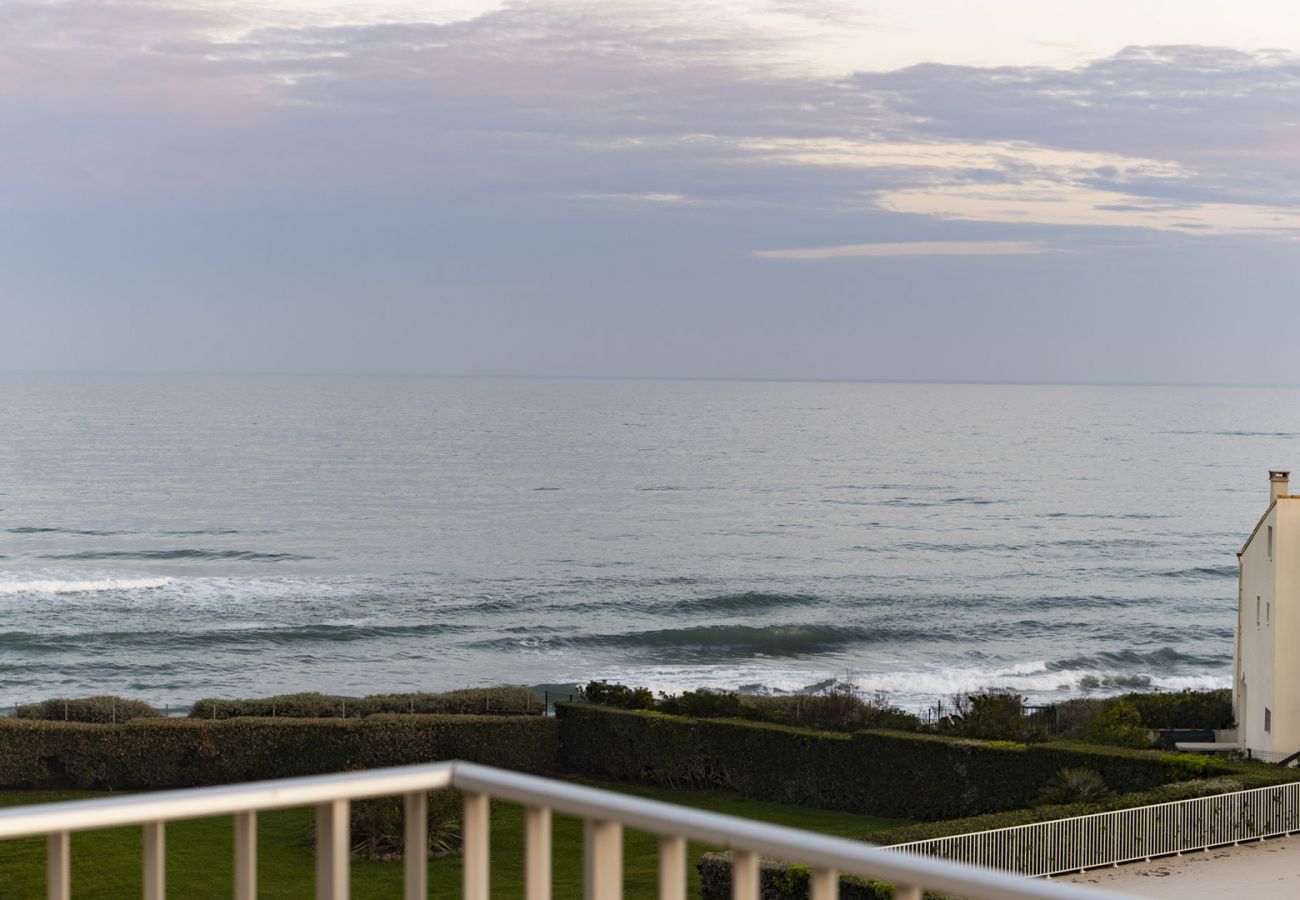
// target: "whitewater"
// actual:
[[177, 537]]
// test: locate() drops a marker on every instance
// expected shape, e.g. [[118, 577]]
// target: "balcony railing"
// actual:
[[604, 813]]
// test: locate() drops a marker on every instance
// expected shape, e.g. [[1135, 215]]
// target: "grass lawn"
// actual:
[[106, 864]]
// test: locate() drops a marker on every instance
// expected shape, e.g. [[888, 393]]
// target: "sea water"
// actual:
[[174, 537]]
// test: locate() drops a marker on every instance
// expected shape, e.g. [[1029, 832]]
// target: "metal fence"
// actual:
[[605, 815], [1125, 835]]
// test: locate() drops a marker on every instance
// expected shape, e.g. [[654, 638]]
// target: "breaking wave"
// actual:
[[55, 586]]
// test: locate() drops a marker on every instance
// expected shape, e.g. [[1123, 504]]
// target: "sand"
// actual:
[[1258, 870]]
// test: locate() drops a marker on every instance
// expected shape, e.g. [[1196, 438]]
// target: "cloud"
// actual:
[[539, 102], [909, 248]]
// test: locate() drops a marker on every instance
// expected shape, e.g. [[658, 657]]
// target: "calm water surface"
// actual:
[[175, 537]]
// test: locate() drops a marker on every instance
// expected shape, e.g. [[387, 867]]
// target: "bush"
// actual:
[[1208, 710], [838, 709], [1120, 725], [469, 701], [884, 773], [1073, 786], [781, 881], [702, 705], [148, 754], [377, 828], [104, 709], [618, 695], [993, 715]]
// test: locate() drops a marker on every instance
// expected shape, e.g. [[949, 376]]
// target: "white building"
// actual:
[[1266, 671]]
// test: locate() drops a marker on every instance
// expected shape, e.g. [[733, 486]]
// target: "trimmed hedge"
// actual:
[[104, 708], [501, 701], [146, 754], [893, 774], [781, 881]]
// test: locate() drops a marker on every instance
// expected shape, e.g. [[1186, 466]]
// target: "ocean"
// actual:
[[175, 537]]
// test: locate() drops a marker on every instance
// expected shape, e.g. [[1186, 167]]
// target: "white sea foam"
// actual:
[[88, 586], [917, 688]]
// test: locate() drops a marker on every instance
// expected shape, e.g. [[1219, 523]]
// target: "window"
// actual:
[[1267, 613], [1256, 612], [1270, 542], [1268, 719]]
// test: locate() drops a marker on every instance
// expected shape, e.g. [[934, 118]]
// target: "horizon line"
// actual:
[[772, 379]]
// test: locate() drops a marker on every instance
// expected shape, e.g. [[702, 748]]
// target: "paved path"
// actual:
[[1258, 871]]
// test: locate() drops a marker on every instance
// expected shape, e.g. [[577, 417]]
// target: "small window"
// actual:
[[1267, 612], [1268, 719], [1257, 602], [1270, 542]]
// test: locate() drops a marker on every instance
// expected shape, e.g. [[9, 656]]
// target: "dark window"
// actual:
[[1268, 719]]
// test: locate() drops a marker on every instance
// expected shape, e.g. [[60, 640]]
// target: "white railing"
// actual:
[[605, 814], [1124, 835]]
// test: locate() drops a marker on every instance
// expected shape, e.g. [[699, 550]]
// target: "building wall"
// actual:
[[1258, 625], [1286, 638]]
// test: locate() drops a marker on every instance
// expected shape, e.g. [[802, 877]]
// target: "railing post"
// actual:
[[537, 853], [332, 850], [58, 866], [825, 885], [672, 867], [603, 861], [744, 875], [246, 856], [476, 852], [155, 861], [415, 845]]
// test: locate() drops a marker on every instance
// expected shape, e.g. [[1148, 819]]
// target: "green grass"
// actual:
[[106, 864]]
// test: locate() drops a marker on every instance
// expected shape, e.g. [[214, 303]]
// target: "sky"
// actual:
[[917, 190]]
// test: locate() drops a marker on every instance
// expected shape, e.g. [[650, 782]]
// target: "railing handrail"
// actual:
[[592, 804], [1007, 829]]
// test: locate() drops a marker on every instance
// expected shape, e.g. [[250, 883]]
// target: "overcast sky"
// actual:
[[1016, 190]]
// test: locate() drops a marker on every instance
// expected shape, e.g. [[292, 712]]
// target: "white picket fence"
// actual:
[[1124, 835]]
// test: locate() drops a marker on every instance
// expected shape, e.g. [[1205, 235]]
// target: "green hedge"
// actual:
[[147, 754], [781, 881], [893, 774], [468, 701], [104, 709]]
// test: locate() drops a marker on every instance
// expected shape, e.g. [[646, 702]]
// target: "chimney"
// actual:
[[1278, 483]]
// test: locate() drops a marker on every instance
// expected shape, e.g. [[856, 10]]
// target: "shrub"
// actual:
[[618, 695], [1120, 725], [104, 709], [838, 709], [702, 704], [469, 701], [1209, 710], [1077, 785], [1187, 766], [147, 754], [993, 715], [377, 828], [904, 775]]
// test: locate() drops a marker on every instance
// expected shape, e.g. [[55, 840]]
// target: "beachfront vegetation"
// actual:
[[1124, 721], [106, 864], [506, 700], [146, 754], [102, 709], [837, 709], [908, 775]]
